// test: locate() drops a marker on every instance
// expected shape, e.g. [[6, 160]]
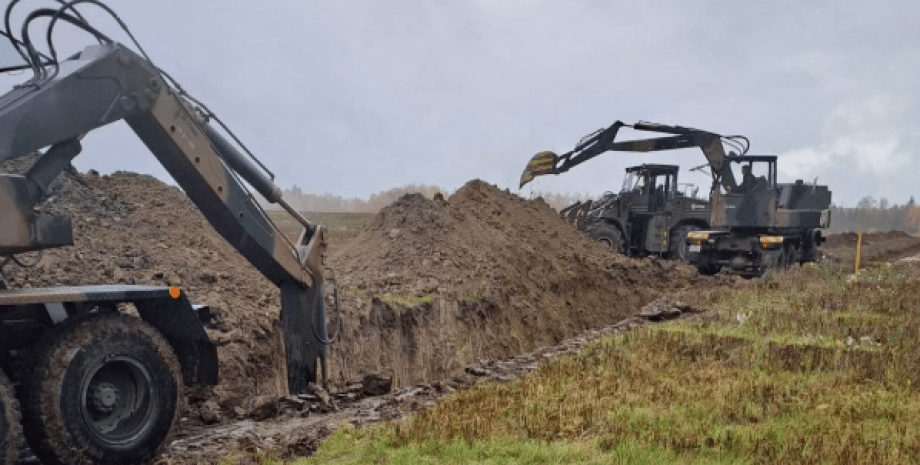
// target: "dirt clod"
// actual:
[[376, 383], [210, 412]]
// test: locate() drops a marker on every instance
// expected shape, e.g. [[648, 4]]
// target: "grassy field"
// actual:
[[338, 224], [811, 368]]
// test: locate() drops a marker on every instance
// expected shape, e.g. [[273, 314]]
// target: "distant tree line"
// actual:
[[306, 201], [559, 200], [878, 215]]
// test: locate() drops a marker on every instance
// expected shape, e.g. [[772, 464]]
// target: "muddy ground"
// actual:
[[877, 247], [435, 295]]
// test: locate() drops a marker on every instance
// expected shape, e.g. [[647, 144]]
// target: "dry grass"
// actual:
[[339, 225], [811, 368]]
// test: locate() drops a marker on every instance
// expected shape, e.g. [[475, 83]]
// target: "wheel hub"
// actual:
[[104, 397]]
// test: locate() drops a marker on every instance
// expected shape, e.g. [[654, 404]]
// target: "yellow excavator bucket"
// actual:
[[541, 163]]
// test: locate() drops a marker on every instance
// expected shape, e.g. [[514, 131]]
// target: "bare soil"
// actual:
[[438, 283], [877, 247], [436, 294]]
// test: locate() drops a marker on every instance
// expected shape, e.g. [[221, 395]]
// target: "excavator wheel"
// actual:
[[10, 435], [104, 388], [607, 235], [678, 246]]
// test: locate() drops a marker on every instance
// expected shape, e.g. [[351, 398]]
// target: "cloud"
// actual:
[[865, 146], [355, 97]]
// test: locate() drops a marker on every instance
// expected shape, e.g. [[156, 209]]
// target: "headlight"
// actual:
[[770, 242], [697, 238]]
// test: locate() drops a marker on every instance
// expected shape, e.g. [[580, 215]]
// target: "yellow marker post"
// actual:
[[858, 252]]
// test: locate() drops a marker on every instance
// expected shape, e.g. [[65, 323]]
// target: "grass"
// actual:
[[375, 445], [333, 221], [812, 367], [406, 301]]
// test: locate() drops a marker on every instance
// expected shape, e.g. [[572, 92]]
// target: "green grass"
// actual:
[[810, 368], [406, 301], [333, 221], [376, 445]]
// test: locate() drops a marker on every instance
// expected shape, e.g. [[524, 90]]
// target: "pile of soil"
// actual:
[[877, 247], [433, 286], [134, 229], [436, 284]]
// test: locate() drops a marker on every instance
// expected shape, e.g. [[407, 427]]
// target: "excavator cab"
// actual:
[[749, 174], [651, 185]]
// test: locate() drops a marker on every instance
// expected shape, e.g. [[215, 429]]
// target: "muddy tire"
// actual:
[[10, 430], [104, 389], [677, 248], [607, 235]]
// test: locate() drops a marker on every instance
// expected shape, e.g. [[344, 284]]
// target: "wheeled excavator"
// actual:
[[94, 385], [757, 225]]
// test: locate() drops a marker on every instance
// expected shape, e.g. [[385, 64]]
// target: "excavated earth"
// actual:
[[877, 247], [436, 295]]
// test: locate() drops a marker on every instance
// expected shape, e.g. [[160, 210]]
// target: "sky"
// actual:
[[355, 97]]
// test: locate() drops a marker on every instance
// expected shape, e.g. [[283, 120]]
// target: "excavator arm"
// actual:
[[603, 141], [109, 82]]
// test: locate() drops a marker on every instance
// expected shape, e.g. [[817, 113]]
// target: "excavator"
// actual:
[[758, 226], [82, 380]]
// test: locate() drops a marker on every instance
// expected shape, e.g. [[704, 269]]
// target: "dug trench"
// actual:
[[432, 290]]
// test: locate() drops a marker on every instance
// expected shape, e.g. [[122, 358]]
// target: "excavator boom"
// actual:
[[603, 141], [100, 385], [109, 82]]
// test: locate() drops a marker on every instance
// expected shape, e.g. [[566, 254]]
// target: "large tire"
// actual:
[[104, 389], [607, 235], [677, 248], [10, 430]]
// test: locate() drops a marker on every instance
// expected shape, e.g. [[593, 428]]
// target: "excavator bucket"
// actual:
[[303, 315], [541, 163]]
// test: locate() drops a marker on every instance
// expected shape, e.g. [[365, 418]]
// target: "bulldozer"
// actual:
[[757, 227], [650, 214]]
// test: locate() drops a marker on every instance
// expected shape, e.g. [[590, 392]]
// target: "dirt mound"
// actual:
[[433, 286], [131, 228], [436, 284], [876, 246]]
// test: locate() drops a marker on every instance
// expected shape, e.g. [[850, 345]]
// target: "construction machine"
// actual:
[[92, 384], [650, 214], [758, 225]]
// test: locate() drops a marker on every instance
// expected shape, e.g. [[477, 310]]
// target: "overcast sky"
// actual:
[[354, 97]]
